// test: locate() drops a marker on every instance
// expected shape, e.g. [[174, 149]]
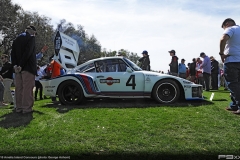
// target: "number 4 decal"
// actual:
[[131, 81]]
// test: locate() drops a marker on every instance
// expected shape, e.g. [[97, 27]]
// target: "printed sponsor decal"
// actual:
[[49, 86], [186, 86], [109, 81], [57, 43], [151, 75]]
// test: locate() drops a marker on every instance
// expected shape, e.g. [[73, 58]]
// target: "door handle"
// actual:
[[100, 76]]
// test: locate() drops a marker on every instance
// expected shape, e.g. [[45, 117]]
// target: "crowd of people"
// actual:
[[200, 70], [206, 71]]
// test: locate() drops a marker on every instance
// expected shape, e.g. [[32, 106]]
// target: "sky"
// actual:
[[158, 26]]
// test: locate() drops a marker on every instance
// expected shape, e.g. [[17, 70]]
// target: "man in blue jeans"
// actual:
[[206, 67], [230, 55]]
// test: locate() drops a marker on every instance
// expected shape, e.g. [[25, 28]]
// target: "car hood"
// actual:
[[66, 51]]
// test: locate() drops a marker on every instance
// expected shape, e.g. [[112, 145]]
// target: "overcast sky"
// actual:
[[187, 26]]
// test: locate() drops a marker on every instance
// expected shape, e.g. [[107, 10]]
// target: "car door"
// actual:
[[113, 80]]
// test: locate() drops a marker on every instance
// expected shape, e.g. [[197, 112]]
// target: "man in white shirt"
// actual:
[[230, 55]]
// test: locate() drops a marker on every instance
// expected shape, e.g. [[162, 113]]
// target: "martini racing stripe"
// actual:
[[86, 82]]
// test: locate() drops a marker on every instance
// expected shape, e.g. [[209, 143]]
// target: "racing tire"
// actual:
[[70, 93], [166, 91]]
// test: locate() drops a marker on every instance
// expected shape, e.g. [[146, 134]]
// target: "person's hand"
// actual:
[[223, 57], [1, 78], [17, 69]]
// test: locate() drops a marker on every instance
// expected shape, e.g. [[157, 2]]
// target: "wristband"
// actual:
[[221, 53]]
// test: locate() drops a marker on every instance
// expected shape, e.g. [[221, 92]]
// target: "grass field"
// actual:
[[123, 129]]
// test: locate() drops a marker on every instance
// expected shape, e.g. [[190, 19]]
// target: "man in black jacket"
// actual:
[[7, 74], [24, 61], [145, 61], [214, 73], [192, 70], [174, 63]]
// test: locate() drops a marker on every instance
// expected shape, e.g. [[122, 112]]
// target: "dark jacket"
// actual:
[[192, 69], [214, 67], [174, 65], [7, 70], [23, 53], [145, 63]]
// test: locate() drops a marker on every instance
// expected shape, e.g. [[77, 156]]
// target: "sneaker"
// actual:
[[231, 108], [236, 112], [3, 104]]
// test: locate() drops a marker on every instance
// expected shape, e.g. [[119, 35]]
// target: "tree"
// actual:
[[13, 21], [8, 19]]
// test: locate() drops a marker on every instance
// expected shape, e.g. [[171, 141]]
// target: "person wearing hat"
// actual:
[[206, 69], [145, 61], [24, 61], [182, 69], [214, 73], [230, 55], [174, 63]]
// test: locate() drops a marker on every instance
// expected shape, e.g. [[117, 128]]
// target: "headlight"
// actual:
[[197, 91]]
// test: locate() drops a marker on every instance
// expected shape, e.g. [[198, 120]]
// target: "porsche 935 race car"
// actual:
[[111, 77]]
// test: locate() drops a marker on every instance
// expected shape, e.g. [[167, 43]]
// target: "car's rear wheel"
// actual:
[[166, 91], [70, 93]]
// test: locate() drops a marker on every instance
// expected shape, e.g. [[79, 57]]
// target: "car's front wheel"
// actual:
[[166, 91], [70, 93]]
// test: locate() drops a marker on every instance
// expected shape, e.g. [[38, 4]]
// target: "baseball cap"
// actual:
[[227, 20], [32, 28], [145, 52], [172, 51]]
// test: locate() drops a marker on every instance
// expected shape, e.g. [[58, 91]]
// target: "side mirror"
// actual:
[[129, 70]]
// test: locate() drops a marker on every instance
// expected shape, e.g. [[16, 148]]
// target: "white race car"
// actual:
[[112, 77]]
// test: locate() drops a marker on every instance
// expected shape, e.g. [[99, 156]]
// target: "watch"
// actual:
[[221, 53]]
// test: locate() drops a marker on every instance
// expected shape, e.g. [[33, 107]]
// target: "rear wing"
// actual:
[[66, 51]]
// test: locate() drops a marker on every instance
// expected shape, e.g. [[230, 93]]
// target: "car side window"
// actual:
[[100, 66], [115, 65]]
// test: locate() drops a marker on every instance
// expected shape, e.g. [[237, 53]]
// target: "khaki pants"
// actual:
[[25, 82], [7, 96]]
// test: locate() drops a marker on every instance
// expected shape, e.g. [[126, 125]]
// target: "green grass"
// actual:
[[123, 129]]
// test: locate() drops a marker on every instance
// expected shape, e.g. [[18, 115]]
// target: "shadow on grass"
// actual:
[[16, 119], [125, 103]]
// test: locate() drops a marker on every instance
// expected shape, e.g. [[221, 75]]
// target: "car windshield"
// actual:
[[133, 65]]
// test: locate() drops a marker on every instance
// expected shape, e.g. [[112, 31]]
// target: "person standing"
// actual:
[[174, 63], [214, 73], [38, 85], [182, 69], [199, 74], [7, 75], [206, 67], [192, 70], [55, 72], [1, 92], [230, 55], [24, 61], [145, 61]]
